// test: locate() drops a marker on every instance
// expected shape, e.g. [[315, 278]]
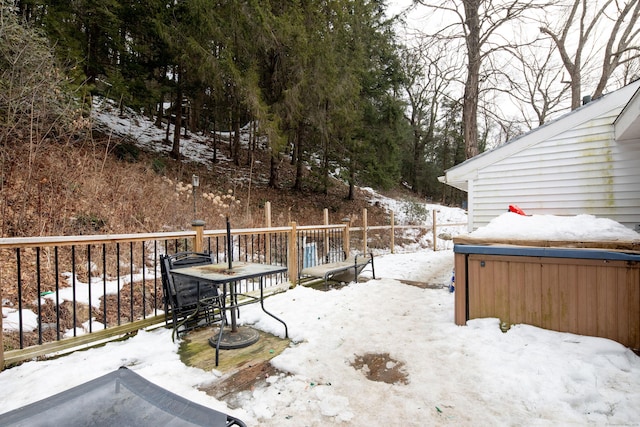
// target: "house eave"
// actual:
[[627, 124], [468, 170], [460, 185]]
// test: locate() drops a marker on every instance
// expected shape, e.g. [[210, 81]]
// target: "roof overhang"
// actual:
[[460, 185], [627, 124], [627, 97]]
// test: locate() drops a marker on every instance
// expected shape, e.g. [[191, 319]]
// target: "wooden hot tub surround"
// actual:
[[586, 288]]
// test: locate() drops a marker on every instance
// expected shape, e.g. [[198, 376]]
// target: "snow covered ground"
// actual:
[[455, 375]]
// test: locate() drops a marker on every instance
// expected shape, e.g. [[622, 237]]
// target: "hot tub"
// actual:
[[586, 288]]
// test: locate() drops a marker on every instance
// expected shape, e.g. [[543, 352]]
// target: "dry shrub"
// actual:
[[84, 189], [33, 103], [54, 323], [151, 301]]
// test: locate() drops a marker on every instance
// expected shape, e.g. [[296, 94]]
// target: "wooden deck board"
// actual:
[[242, 369], [196, 351]]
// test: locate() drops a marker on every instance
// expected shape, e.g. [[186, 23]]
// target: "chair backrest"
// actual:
[[167, 280], [189, 259], [335, 255], [183, 291]]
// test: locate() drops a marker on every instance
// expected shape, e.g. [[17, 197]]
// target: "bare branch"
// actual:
[[588, 16], [480, 22]]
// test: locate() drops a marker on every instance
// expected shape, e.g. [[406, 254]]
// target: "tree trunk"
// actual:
[[159, 114], [252, 144], [417, 158], [325, 173], [215, 141], [273, 171], [470, 107], [576, 89], [236, 139], [175, 149], [352, 179], [325, 150], [297, 156], [166, 134]]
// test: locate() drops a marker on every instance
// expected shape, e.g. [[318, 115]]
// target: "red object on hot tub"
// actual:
[[516, 209]]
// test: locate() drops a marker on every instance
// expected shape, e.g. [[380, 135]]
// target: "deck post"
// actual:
[[325, 233], [267, 214], [292, 259], [267, 224], [345, 236], [198, 241], [1, 343], [393, 233], [435, 234], [365, 225]]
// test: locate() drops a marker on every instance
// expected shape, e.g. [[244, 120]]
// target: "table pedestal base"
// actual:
[[243, 337]]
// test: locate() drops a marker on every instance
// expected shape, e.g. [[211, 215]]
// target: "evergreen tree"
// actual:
[[382, 122], [139, 80], [319, 78], [448, 150]]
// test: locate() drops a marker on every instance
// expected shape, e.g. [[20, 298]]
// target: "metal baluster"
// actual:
[[73, 287], [89, 285], [131, 281], [252, 245], [57, 280], [118, 279], [155, 277], [39, 290], [104, 284], [144, 283], [19, 279]]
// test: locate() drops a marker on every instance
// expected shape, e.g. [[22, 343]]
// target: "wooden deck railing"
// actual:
[[64, 292]]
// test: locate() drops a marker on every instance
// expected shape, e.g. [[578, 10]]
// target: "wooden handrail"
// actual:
[[32, 242]]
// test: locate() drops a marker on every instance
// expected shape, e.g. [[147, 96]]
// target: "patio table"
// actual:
[[226, 279]]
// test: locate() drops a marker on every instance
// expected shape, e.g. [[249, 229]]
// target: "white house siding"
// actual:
[[582, 170]]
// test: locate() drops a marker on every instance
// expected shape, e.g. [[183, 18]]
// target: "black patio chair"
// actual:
[[191, 303]]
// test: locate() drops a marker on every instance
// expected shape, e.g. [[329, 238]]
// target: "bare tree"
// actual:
[[478, 22], [579, 31], [622, 45], [629, 72], [430, 71], [541, 88], [474, 40]]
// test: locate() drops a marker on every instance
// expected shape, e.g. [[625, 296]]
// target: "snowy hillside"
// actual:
[[196, 148]]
